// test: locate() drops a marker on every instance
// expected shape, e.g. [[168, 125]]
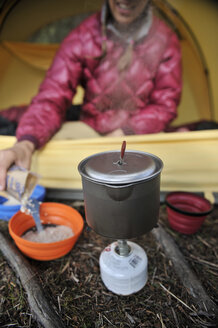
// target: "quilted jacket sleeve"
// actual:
[[165, 96], [47, 109]]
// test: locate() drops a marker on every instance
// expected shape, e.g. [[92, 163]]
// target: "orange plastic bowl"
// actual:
[[53, 213]]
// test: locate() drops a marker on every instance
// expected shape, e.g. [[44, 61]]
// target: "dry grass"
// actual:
[[76, 289]]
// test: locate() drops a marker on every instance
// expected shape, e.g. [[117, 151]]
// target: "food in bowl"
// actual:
[[49, 234]]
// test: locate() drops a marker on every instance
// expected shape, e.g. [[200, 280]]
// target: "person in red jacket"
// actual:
[[129, 64]]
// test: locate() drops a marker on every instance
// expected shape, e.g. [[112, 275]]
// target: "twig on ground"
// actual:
[[202, 261], [175, 317], [108, 320], [178, 299], [153, 276], [161, 320], [204, 241]]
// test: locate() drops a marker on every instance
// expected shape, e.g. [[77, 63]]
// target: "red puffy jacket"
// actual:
[[140, 100]]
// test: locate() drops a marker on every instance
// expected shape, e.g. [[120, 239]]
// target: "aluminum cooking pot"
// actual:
[[121, 195]]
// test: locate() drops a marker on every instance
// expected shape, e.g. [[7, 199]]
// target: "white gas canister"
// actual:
[[124, 275]]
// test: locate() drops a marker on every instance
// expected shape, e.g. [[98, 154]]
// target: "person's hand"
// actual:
[[20, 154], [116, 133]]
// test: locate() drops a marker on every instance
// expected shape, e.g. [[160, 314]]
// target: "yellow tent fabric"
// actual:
[[201, 17], [190, 159]]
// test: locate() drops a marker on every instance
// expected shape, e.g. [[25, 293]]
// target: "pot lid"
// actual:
[[107, 168]]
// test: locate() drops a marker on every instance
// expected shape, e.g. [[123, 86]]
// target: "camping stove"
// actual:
[[122, 198], [123, 267]]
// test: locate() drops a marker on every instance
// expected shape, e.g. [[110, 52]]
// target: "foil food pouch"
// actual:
[[20, 183]]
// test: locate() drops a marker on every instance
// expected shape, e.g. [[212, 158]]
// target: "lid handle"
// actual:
[[122, 153]]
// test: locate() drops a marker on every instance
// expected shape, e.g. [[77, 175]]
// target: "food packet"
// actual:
[[20, 184]]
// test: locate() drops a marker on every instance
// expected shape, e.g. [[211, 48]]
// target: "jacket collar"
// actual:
[[141, 32]]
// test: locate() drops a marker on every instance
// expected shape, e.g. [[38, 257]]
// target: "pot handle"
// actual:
[[122, 152], [119, 193]]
